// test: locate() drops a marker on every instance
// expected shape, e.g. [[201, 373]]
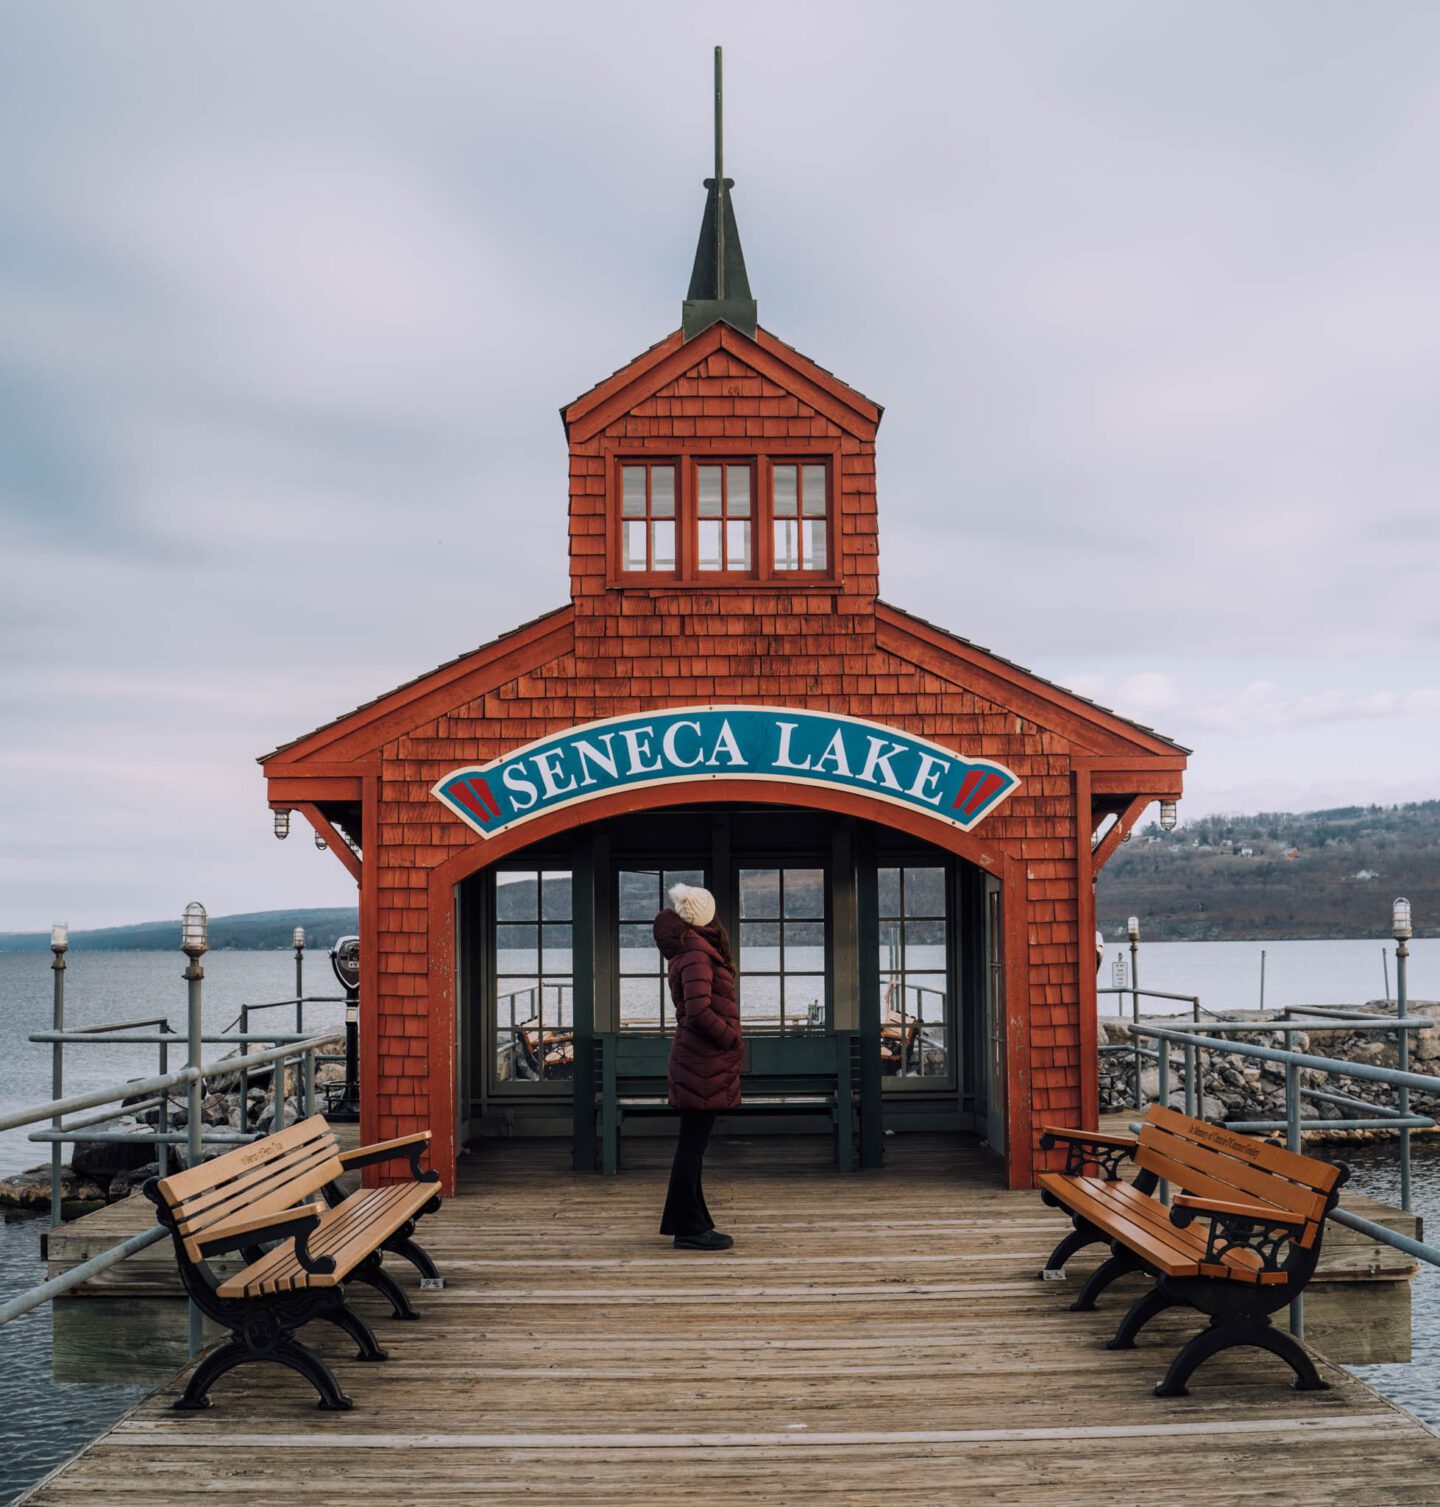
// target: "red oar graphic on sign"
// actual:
[[975, 789], [477, 798]]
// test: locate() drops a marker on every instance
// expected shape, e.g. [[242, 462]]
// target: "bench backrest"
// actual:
[[638, 1062], [267, 1177], [1212, 1162]]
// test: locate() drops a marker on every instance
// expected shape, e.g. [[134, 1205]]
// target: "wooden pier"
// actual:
[[877, 1338]]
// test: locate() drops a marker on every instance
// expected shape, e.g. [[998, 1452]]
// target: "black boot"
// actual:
[[706, 1240]]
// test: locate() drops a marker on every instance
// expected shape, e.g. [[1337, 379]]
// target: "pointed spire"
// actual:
[[719, 288]]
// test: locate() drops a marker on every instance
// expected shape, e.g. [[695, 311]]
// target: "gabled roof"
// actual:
[[672, 357], [970, 659]]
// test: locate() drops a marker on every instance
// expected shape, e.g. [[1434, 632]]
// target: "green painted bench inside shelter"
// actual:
[[797, 1073]]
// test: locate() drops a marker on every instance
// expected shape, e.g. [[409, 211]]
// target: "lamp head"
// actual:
[[1168, 815], [298, 940], [1400, 927], [195, 930], [1132, 928], [320, 842], [282, 825], [59, 938]]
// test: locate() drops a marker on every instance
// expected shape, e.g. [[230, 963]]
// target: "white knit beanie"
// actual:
[[694, 906]]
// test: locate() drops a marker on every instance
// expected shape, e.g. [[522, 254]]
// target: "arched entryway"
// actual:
[[842, 923]]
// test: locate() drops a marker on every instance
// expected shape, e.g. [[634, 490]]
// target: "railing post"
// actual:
[[59, 946], [244, 1071], [1191, 1097], [1292, 1140], [1402, 955], [309, 1083], [1133, 926], [1164, 1045], [194, 943], [162, 1119], [277, 1084]]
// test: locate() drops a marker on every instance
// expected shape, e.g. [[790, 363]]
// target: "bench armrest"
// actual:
[[299, 1223], [1265, 1233], [1089, 1148], [1054, 1133], [411, 1147], [1259, 1213]]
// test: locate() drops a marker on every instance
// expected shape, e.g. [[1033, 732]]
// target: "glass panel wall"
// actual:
[[916, 1027], [782, 947], [644, 991], [534, 975]]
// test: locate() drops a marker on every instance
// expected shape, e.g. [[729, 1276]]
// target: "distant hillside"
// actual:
[[1277, 874], [256, 931]]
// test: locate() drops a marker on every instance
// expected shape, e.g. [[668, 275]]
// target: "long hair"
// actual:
[[723, 937]]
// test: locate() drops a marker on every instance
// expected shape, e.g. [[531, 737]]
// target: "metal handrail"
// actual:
[[1189, 999], [33, 1297], [1294, 1126], [167, 1038], [120, 1025], [181, 1077]]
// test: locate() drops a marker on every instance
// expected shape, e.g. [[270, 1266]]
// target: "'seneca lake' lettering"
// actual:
[[728, 742]]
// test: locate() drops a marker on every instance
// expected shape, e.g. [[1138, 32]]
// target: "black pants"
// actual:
[[685, 1211]]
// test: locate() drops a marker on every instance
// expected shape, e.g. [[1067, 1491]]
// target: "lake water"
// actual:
[[42, 1420]]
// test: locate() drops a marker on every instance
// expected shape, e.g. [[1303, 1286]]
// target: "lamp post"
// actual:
[[194, 943], [59, 945], [1132, 927], [345, 960], [1401, 930], [297, 941]]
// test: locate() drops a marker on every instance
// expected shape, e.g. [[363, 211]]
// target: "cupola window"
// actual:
[[723, 509], [647, 516], [801, 518]]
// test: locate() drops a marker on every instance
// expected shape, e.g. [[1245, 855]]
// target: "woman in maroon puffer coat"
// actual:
[[704, 1056]]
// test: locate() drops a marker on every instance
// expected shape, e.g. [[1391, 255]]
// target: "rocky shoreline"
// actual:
[[1237, 1088], [103, 1172]]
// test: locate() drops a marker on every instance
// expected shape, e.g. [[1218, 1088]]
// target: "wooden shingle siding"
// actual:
[[829, 645]]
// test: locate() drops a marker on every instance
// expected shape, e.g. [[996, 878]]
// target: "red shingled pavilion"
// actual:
[[900, 827]]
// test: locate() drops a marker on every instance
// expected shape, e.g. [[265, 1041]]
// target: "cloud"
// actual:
[[1150, 303]]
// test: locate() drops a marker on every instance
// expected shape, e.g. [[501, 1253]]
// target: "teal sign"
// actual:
[[690, 745]]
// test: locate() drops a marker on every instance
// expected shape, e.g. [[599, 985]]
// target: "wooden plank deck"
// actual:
[[873, 1339]]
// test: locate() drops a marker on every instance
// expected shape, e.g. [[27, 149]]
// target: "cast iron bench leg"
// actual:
[[372, 1274], [1223, 1334], [1082, 1235], [1119, 1265], [347, 1319], [1157, 1300], [285, 1350]]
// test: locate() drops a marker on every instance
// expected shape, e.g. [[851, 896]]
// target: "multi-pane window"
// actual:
[[914, 975], [800, 519], [534, 975], [782, 948], [647, 516], [723, 507], [644, 988]]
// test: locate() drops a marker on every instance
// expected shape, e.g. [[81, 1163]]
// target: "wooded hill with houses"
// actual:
[[1314, 874]]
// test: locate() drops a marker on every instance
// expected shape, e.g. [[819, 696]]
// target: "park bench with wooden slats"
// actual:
[[1239, 1241], [813, 1073], [284, 1189]]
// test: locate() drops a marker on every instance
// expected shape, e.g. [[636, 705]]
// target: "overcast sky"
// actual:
[[290, 295]]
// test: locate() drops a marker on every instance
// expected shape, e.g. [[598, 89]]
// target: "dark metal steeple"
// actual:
[[719, 288]]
